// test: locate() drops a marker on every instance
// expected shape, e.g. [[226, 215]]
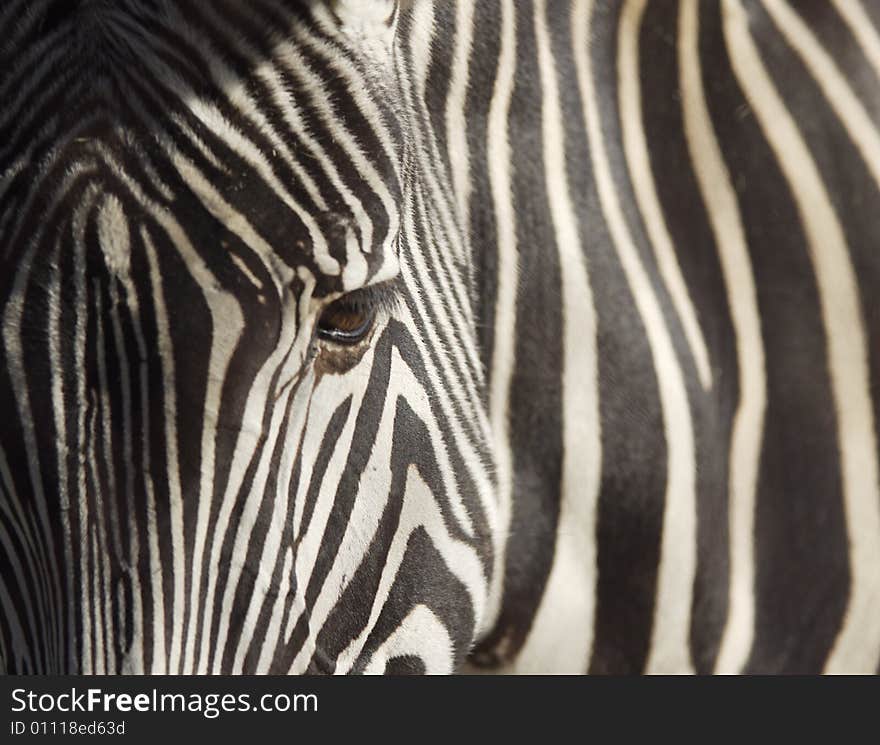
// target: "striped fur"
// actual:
[[617, 413]]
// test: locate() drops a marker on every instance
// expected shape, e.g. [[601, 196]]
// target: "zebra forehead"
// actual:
[[269, 138]]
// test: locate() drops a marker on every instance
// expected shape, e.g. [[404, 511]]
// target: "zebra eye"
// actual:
[[345, 322]]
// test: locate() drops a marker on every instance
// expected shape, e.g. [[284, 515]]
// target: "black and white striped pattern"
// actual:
[[618, 410], [684, 332], [191, 481]]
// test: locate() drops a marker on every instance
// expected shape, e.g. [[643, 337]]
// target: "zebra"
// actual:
[[399, 336]]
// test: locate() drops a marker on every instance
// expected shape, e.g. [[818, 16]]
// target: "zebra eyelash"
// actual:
[[383, 298]]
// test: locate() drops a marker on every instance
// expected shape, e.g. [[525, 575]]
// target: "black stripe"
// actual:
[[800, 539], [697, 254], [535, 404]]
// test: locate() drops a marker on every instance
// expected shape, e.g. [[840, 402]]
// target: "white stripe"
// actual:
[[316, 423], [670, 649], [271, 635], [155, 621], [57, 369], [248, 274], [105, 509], [133, 662], [175, 506], [236, 93], [13, 315], [862, 28], [450, 245], [243, 528], [292, 60], [226, 323], [456, 101], [78, 502], [857, 647], [355, 87], [166, 355], [419, 508], [91, 543], [421, 634], [725, 218], [499, 165], [372, 495], [213, 119], [844, 102], [449, 327], [445, 384], [561, 636], [285, 362], [639, 163]]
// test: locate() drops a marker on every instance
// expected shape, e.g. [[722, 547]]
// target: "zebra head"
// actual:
[[243, 422]]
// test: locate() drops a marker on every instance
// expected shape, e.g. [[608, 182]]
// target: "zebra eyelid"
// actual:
[[382, 297]]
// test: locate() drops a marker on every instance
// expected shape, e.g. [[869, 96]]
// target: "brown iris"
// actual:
[[345, 322]]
